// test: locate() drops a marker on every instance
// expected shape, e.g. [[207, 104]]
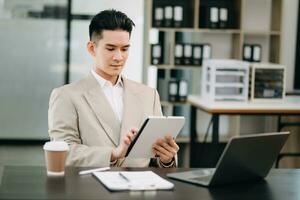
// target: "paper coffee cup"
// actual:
[[55, 157]]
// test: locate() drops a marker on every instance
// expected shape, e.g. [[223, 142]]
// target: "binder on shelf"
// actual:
[[203, 16], [213, 17], [187, 58], [182, 90], [256, 53], [167, 110], [233, 14], [247, 52], [182, 77], [152, 76], [223, 17], [158, 17], [183, 110], [168, 16], [197, 54], [156, 54], [173, 90], [252, 52], [178, 54], [178, 16], [153, 36], [218, 14], [206, 50], [162, 85]]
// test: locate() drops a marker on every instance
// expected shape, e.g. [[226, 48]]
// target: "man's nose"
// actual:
[[118, 55]]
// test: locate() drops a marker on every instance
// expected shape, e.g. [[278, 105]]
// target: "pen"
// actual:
[[94, 170], [124, 177]]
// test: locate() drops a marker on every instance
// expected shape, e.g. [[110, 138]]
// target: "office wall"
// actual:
[[31, 64], [33, 58]]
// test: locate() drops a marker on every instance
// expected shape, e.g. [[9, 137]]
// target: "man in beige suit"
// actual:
[[98, 115]]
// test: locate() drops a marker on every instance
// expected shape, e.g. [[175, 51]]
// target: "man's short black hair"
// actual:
[[109, 20]]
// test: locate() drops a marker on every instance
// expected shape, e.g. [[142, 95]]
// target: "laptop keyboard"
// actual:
[[202, 175], [203, 172], [202, 178]]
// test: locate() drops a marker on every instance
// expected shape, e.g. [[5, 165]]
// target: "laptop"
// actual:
[[245, 158]]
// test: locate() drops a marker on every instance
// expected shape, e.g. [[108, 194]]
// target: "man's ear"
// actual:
[[91, 48]]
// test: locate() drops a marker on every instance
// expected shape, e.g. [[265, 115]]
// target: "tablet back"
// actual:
[[152, 129]]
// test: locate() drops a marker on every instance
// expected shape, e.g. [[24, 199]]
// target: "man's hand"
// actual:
[[166, 149], [121, 150]]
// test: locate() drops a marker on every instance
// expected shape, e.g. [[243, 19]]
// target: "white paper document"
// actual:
[[133, 180]]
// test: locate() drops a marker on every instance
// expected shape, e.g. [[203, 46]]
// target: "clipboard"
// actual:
[[133, 180], [152, 129]]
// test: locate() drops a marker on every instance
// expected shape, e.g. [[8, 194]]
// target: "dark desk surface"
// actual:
[[32, 183]]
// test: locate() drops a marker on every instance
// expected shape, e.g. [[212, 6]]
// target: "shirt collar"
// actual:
[[103, 82]]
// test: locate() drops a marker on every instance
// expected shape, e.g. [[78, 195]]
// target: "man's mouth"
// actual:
[[116, 65]]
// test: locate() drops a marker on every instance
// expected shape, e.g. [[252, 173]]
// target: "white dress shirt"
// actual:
[[113, 93]]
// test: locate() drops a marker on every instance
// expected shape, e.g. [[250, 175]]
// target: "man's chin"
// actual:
[[116, 69], [116, 72]]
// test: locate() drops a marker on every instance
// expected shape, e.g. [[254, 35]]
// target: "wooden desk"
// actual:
[[28, 182], [289, 106]]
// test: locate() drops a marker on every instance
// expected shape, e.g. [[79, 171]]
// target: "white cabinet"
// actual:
[[225, 79]]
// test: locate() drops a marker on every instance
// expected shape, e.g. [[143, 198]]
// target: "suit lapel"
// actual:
[[132, 109], [102, 109]]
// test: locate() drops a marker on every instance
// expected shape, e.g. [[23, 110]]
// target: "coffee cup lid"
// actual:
[[56, 146]]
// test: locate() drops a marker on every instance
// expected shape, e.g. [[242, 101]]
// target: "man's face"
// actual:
[[111, 52]]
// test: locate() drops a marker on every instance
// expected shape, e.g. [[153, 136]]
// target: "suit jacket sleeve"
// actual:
[[63, 125]]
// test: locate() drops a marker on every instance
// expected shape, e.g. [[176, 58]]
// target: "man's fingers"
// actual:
[[163, 151], [127, 140], [163, 157], [169, 145], [174, 145], [169, 148], [169, 139], [130, 136], [134, 130]]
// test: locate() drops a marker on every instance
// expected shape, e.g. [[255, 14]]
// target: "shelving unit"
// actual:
[[253, 21], [261, 26]]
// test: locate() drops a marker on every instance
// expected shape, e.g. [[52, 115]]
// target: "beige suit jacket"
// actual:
[[80, 114]]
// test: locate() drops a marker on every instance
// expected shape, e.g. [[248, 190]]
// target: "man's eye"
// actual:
[[109, 49], [126, 49]]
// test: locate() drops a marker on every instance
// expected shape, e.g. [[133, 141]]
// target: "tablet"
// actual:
[[152, 129]]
